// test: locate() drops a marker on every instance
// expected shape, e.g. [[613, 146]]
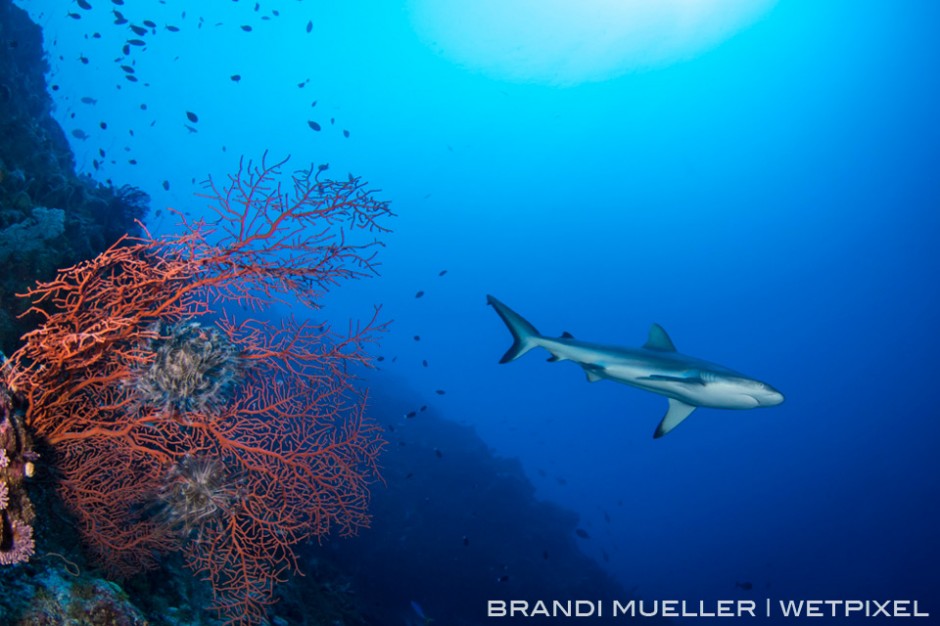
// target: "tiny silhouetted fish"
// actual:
[[128, 69], [126, 49], [190, 128], [83, 59], [419, 294], [119, 19], [74, 16], [172, 29], [192, 117], [313, 125], [411, 414], [309, 26], [118, 2], [466, 541], [140, 30], [438, 453], [417, 337], [150, 24], [103, 125], [381, 358], [78, 133], [606, 517], [131, 78], [236, 78], [246, 28], [545, 554], [503, 578], [89, 100], [137, 42], [442, 272], [84, 5], [345, 133], [440, 392], [424, 362], [580, 532], [423, 408], [746, 586], [166, 185], [409, 475]]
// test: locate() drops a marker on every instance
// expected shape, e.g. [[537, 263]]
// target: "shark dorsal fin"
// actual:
[[658, 339], [567, 335]]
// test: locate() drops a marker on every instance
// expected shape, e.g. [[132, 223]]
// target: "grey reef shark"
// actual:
[[687, 382]]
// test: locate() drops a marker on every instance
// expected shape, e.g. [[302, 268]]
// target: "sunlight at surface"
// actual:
[[562, 42]]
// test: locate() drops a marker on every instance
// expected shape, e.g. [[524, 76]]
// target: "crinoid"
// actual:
[[196, 492], [194, 368]]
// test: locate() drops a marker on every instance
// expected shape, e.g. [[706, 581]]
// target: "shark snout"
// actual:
[[768, 396]]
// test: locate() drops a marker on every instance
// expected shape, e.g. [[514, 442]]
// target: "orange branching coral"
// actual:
[[179, 426]]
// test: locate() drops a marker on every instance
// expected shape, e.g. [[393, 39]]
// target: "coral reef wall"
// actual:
[[50, 217]]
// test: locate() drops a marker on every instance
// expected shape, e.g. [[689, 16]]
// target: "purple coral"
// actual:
[[19, 546]]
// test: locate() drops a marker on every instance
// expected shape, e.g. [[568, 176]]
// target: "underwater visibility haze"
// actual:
[[756, 181]]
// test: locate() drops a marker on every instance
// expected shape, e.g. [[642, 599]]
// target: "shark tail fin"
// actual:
[[523, 333]]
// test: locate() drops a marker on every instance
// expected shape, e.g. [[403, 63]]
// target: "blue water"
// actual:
[[771, 202]]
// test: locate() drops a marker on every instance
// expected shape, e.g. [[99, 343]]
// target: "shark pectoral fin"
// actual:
[[677, 412], [593, 372], [553, 358], [691, 380]]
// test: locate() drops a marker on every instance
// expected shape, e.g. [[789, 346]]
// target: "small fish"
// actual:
[[139, 30], [466, 541], [118, 2], [419, 294], [424, 362], [131, 78], [78, 133], [313, 104], [345, 133], [192, 117], [409, 475], [545, 554], [84, 5], [190, 128], [606, 517], [411, 415], [417, 337], [83, 59], [442, 272], [309, 26], [103, 125], [313, 125], [580, 532], [166, 185], [236, 77], [503, 578], [746, 586], [246, 28], [172, 29], [119, 17], [89, 100], [74, 16], [150, 24], [136, 42], [438, 453], [128, 69], [440, 392], [101, 152], [380, 359], [126, 49], [303, 84], [143, 106], [423, 408], [132, 161]]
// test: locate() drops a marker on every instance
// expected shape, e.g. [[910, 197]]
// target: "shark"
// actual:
[[687, 382]]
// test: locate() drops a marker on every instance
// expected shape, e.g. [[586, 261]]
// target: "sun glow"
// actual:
[[563, 42]]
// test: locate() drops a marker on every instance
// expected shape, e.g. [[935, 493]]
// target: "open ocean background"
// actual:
[[773, 202]]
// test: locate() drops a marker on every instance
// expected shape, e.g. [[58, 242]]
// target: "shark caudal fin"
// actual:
[[523, 333]]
